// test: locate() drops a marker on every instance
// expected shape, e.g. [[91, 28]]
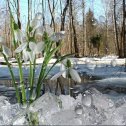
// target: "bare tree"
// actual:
[[123, 27], [74, 30], [52, 12], [84, 29], [116, 30]]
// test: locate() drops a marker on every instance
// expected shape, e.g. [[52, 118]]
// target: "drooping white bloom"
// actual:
[[74, 75], [35, 48], [25, 55], [66, 70], [39, 31], [38, 16], [48, 29], [58, 36], [18, 35], [21, 47], [5, 49], [35, 23]]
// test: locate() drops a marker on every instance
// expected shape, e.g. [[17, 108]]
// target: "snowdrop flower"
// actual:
[[36, 21], [41, 29], [18, 35], [66, 70], [38, 16], [6, 51], [35, 24], [35, 48], [48, 29], [58, 36], [39, 32]]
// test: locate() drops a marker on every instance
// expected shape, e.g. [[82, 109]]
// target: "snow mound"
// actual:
[[90, 108]]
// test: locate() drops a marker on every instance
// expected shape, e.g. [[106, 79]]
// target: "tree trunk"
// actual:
[[43, 15], [52, 14], [116, 31], [18, 13], [74, 31], [123, 27], [84, 35]]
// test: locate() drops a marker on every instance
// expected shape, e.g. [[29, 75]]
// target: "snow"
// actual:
[[89, 108], [53, 110]]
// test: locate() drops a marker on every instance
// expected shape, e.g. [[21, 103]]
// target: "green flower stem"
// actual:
[[30, 74], [13, 79], [23, 93], [41, 78], [49, 53], [32, 77]]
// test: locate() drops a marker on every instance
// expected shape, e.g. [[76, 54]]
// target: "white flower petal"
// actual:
[[39, 47], [18, 35], [62, 68], [35, 24], [39, 31], [57, 75], [38, 16], [6, 51], [65, 74], [31, 56], [32, 46], [57, 36], [21, 48], [25, 55], [74, 75]]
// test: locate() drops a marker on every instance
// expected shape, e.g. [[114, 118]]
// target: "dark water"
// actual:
[[64, 86], [56, 87]]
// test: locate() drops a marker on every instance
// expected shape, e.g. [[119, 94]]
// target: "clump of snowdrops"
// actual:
[[36, 39]]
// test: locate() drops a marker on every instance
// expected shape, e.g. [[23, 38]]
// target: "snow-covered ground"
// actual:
[[93, 107]]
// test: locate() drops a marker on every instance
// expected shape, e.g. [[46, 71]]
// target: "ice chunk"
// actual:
[[79, 109], [67, 117], [87, 99], [67, 101], [92, 116], [48, 103], [118, 117], [20, 121], [4, 101], [7, 113], [101, 101]]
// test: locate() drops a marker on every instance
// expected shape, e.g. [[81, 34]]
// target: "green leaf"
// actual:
[[61, 58], [32, 39], [15, 26], [30, 29]]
